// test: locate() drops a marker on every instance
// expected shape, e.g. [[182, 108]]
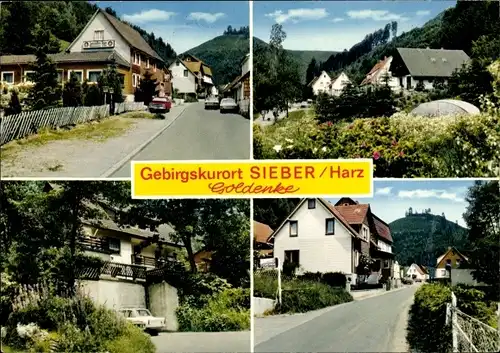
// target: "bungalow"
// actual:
[[190, 75], [411, 66], [417, 272], [452, 259], [332, 85], [239, 88], [320, 237], [104, 39]]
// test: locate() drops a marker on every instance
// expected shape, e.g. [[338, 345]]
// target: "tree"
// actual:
[[92, 95], [111, 78], [46, 92], [273, 211], [483, 220], [312, 70], [147, 87], [72, 93], [14, 104], [18, 24], [472, 81]]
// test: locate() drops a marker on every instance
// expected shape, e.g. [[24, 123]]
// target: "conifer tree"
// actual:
[[72, 93]]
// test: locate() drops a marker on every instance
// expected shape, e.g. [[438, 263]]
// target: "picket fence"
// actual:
[[17, 126]]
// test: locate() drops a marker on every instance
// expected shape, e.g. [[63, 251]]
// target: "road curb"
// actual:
[[129, 156]]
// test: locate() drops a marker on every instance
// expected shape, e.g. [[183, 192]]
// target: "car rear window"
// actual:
[[143, 312], [160, 100], [228, 100]]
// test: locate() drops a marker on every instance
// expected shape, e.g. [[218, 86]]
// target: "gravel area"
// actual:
[[77, 158]]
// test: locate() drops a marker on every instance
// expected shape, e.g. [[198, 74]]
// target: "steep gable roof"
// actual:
[[382, 228], [261, 232], [450, 249], [133, 37], [432, 62], [354, 214], [370, 76], [329, 207]]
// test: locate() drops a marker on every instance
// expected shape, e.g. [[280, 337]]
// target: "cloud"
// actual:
[[296, 15], [206, 16], [149, 16], [383, 191], [430, 193], [337, 19], [423, 13], [376, 15]]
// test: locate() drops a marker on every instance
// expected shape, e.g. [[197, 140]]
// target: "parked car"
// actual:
[[160, 105], [228, 105], [304, 104], [212, 103], [143, 319]]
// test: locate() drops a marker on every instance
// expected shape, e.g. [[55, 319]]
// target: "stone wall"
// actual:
[[163, 302], [115, 293]]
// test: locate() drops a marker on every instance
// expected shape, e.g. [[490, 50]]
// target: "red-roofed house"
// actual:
[[321, 237], [377, 75], [261, 234]]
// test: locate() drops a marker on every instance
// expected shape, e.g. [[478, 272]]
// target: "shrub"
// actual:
[[265, 284], [426, 330], [312, 296], [228, 310], [311, 276], [334, 279]]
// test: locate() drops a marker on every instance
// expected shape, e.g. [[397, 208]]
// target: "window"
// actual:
[[122, 79], [330, 226], [408, 82], [99, 35], [147, 63], [78, 73], [137, 59], [154, 67], [292, 257], [60, 76], [93, 75], [176, 63], [135, 80], [185, 73], [114, 244], [294, 228], [364, 233], [311, 203], [8, 76], [29, 76], [386, 263]]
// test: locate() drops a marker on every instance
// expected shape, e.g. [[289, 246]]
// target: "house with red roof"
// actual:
[[346, 237]]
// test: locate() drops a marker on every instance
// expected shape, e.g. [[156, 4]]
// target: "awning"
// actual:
[[208, 80]]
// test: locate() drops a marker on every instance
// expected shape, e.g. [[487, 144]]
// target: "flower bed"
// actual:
[[400, 146]]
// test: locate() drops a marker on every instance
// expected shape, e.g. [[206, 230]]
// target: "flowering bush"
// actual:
[[400, 146]]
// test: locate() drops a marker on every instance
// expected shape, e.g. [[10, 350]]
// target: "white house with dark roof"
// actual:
[[325, 83], [321, 237]]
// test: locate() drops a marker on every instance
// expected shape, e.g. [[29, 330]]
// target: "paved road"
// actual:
[[198, 134], [202, 342], [376, 324]]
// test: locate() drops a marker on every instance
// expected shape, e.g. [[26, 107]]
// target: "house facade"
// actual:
[[202, 259], [453, 258], [338, 84], [103, 40], [380, 74], [320, 237], [417, 272], [191, 75], [411, 66], [239, 88]]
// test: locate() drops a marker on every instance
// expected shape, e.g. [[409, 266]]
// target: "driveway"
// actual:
[[198, 134], [202, 342], [376, 324]]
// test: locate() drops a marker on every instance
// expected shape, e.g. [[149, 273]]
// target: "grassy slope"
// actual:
[[303, 57], [223, 54]]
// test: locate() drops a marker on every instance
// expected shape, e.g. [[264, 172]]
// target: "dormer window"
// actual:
[[99, 35], [311, 204]]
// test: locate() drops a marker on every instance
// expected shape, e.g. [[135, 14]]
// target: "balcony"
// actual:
[[150, 261], [115, 270], [97, 245]]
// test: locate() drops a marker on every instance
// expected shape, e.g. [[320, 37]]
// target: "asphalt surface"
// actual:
[[198, 134], [202, 342], [376, 324]]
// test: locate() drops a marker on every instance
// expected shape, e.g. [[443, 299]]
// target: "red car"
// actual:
[[160, 105]]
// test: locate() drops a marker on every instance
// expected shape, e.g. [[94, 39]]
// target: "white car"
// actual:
[[142, 318], [228, 105]]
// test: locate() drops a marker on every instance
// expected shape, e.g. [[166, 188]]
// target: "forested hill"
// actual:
[[65, 20], [472, 26], [224, 54], [302, 57], [423, 237]]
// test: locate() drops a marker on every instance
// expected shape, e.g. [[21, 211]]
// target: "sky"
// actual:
[[338, 25], [183, 24], [393, 198]]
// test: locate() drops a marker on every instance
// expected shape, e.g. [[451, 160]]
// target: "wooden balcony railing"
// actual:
[[150, 261], [114, 269], [96, 244]]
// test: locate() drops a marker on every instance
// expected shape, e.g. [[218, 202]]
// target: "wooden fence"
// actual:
[[17, 126]]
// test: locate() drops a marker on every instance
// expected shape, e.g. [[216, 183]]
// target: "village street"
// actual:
[[202, 342], [198, 134], [187, 132], [376, 324]]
